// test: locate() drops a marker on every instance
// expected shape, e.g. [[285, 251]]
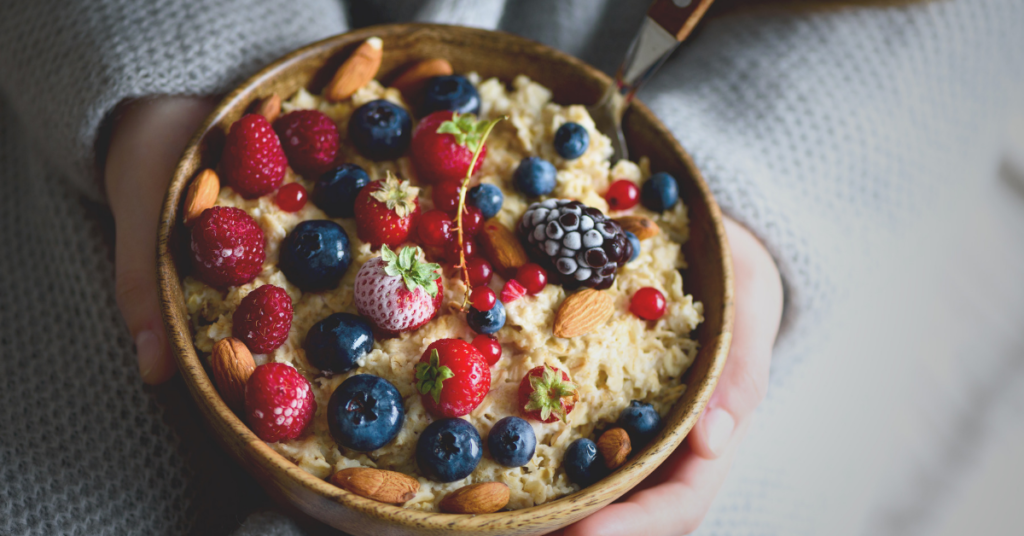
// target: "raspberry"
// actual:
[[278, 402], [512, 291], [253, 161], [263, 319], [227, 247], [310, 139]]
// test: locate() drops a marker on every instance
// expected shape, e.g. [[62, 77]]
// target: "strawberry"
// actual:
[[386, 211], [279, 402], [398, 292], [309, 139], [547, 395], [453, 378], [512, 291], [443, 144], [253, 163]]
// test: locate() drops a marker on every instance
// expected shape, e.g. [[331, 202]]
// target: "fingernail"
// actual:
[[147, 346], [718, 425]]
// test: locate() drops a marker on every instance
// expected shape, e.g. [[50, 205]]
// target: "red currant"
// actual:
[[483, 298], [622, 195], [451, 251], [648, 303], [480, 271], [533, 277], [291, 197], [446, 196], [472, 220], [435, 228], [488, 346]]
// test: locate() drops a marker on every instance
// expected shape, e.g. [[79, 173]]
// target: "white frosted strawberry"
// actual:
[[398, 292]]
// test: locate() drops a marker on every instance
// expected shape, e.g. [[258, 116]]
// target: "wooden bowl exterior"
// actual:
[[708, 277]]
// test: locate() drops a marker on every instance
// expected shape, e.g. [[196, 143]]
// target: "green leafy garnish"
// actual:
[[430, 376], [414, 273], [548, 391], [467, 130], [396, 194]]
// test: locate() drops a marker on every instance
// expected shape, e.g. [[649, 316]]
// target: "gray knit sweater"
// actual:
[[861, 144]]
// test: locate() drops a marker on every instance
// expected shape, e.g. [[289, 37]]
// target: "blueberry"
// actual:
[[635, 242], [486, 322], [335, 343], [571, 141], [315, 255], [486, 197], [365, 413], [335, 191], [512, 442], [451, 92], [380, 130], [582, 463], [641, 422], [534, 176], [448, 450], [660, 192]]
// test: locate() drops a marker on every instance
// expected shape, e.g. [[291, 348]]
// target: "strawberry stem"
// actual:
[[487, 127]]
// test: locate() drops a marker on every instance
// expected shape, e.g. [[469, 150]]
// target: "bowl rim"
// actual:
[[203, 391]]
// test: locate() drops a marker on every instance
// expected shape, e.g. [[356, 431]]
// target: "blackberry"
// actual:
[[577, 244]]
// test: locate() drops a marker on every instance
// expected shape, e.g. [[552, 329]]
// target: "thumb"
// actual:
[[146, 143]]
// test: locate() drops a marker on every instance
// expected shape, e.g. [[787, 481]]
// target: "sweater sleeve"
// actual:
[[66, 65]]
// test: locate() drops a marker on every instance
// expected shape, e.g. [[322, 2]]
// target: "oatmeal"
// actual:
[[627, 359]]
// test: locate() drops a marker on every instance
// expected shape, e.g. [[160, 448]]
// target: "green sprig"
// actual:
[[430, 376]]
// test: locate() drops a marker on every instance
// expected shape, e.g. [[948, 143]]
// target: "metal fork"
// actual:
[[668, 22]]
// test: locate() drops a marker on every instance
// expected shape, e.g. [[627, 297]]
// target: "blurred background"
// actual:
[[875, 147]]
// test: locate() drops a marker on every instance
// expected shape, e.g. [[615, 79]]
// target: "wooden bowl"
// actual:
[[708, 278]]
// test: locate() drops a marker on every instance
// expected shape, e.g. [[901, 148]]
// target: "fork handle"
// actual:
[[678, 17]]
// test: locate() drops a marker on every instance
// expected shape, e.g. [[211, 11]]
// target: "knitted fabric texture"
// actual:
[[66, 65], [831, 133]]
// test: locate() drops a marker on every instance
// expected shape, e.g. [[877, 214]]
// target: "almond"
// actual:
[[232, 365], [501, 248], [481, 498], [201, 195], [411, 81], [643, 227], [377, 484], [583, 312], [357, 71], [614, 447], [270, 107]]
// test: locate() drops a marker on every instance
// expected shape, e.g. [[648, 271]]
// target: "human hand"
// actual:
[[145, 145], [677, 496]]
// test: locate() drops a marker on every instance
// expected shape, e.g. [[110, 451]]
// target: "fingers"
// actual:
[[675, 506], [675, 499], [145, 146], [744, 382]]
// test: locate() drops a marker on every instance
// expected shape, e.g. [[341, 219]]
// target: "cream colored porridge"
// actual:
[[627, 359]]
